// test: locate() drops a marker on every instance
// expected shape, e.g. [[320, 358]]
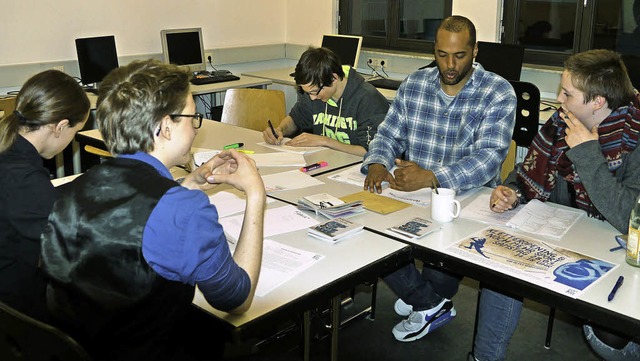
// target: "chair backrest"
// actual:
[[24, 338], [7, 105], [502, 59], [509, 163], [527, 112], [251, 108]]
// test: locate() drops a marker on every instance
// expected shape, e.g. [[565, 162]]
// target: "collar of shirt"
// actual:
[[151, 160]]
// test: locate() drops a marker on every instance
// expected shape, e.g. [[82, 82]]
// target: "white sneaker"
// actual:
[[402, 308], [420, 323]]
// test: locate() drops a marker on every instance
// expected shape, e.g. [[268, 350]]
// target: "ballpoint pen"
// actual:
[[615, 288], [273, 130]]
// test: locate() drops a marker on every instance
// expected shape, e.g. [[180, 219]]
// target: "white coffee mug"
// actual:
[[444, 207]]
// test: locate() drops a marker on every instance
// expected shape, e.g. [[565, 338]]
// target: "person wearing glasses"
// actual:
[[125, 244], [50, 108], [336, 108]]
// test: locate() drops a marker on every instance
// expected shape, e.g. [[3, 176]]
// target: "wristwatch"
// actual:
[[519, 198]]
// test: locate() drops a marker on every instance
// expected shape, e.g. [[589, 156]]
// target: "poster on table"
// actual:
[[532, 260]]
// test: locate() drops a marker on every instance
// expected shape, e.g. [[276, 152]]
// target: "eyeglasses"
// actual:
[[196, 119], [315, 93]]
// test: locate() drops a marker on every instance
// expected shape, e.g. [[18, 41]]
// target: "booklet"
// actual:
[[413, 229], [334, 230], [329, 206]]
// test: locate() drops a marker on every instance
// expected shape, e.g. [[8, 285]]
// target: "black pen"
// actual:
[[615, 288], [273, 130]]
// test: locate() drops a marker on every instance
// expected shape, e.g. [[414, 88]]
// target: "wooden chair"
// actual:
[[24, 338], [509, 162], [7, 105], [251, 108]]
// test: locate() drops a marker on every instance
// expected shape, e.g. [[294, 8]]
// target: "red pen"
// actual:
[[313, 166]]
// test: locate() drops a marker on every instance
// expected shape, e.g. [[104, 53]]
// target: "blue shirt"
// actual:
[[463, 143], [183, 241]]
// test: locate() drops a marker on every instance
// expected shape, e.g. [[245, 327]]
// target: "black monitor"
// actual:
[[97, 56], [346, 47], [502, 59], [183, 47]]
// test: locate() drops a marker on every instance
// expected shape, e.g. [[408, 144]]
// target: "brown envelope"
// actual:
[[375, 202]]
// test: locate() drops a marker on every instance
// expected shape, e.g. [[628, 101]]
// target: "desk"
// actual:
[[215, 135], [326, 280], [589, 236]]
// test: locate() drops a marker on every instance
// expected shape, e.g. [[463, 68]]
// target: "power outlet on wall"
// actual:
[[208, 57], [378, 63]]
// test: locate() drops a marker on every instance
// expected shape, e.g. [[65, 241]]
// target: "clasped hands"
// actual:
[[409, 176], [228, 167]]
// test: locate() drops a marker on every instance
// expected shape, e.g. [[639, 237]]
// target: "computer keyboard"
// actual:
[[214, 79], [386, 83]]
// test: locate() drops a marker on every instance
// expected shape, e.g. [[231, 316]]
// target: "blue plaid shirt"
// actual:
[[463, 143]]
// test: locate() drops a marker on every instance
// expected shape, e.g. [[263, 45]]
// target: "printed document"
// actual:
[[292, 179], [281, 263]]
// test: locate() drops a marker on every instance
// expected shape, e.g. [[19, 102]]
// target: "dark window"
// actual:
[[394, 24], [552, 30]]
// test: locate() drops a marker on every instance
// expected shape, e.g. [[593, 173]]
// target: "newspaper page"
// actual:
[[543, 264]]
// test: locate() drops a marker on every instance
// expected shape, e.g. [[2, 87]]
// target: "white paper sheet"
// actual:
[[281, 263], [293, 179], [230, 202], [279, 159], [544, 219], [276, 221], [282, 147]]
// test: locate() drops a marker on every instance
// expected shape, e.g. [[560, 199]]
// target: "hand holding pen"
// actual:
[[270, 135], [502, 198]]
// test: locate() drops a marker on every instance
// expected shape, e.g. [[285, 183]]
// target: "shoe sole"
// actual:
[[442, 320]]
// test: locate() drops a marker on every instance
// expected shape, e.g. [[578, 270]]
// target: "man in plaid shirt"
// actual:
[[449, 126]]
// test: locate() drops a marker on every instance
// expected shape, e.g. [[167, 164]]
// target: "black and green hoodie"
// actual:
[[352, 119]]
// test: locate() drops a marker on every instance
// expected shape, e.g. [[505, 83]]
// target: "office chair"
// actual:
[[527, 112], [251, 108], [24, 338]]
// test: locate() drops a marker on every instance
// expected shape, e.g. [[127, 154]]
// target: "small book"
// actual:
[[413, 229], [334, 230], [329, 206]]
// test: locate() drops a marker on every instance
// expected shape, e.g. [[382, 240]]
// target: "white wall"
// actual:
[[34, 31]]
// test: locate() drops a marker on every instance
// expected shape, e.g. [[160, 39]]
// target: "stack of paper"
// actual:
[[413, 229], [334, 230], [329, 206]]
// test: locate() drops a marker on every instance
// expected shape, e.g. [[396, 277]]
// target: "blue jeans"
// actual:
[[498, 317], [422, 290], [629, 352]]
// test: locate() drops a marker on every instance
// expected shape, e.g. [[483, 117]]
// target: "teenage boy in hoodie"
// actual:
[[336, 108]]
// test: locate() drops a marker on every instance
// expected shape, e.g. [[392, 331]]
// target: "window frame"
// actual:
[[391, 41]]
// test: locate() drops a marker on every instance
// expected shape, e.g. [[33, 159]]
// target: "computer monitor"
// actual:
[[502, 59], [184, 47], [97, 56], [346, 47]]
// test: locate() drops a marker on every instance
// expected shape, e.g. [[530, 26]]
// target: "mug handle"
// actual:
[[457, 211]]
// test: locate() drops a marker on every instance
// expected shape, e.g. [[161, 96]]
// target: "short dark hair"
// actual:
[[456, 24], [601, 72], [317, 66], [133, 99]]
